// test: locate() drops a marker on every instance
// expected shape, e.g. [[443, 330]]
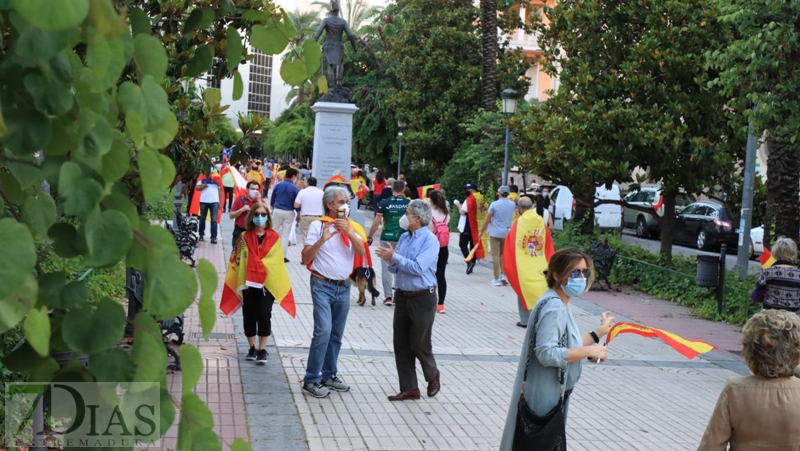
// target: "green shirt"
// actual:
[[392, 210]]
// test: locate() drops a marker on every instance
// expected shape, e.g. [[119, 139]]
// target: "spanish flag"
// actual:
[[766, 259], [239, 276], [239, 183], [687, 348], [194, 208], [476, 215], [422, 191], [526, 254]]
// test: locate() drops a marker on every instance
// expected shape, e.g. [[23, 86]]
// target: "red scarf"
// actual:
[[256, 271]]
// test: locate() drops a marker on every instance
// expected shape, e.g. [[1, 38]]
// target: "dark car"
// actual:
[[706, 225]]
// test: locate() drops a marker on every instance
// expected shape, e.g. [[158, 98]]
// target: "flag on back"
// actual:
[[526, 254], [687, 348], [476, 215], [766, 259]]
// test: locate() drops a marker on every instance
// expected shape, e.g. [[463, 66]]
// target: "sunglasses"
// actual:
[[577, 273], [263, 215]]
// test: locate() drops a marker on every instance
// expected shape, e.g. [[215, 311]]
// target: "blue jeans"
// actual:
[[331, 305], [204, 208]]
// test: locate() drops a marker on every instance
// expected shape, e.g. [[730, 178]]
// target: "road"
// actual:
[[654, 246]]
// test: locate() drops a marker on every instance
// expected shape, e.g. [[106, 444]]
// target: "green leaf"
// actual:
[[212, 97], [107, 58], [37, 331], [238, 86], [201, 63], [53, 15], [104, 18], [205, 440], [167, 413], [120, 202], [170, 285], [293, 72], [24, 359], [195, 416], [116, 162], [112, 365], [206, 307], [269, 39], [108, 237], [191, 368], [135, 127], [199, 19], [150, 55], [149, 101], [16, 302], [83, 199], [162, 137], [159, 173], [65, 137], [73, 294], [3, 128], [93, 330], [240, 444], [42, 44], [39, 213], [11, 186], [288, 26], [312, 53], [65, 237], [28, 175], [50, 286], [28, 130], [148, 352], [233, 46], [140, 22], [96, 142], [19, 256]]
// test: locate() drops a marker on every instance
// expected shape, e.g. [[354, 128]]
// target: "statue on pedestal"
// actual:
[[333, 51]]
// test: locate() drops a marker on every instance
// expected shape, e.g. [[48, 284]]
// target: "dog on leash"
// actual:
[[364, 278]]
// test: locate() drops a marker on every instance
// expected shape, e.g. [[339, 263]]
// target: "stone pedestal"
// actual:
[[333, 143]]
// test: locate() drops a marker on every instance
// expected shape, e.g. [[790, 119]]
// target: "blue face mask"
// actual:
[[574, 287], [259, 221]]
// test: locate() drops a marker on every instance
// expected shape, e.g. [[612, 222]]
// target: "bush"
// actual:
[[675, 282], [162, 209]]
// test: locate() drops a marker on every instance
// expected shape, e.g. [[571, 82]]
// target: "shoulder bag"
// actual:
[[548, 432]]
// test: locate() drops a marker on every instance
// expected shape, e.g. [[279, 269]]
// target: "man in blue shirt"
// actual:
[[414, 265], [282, 205]]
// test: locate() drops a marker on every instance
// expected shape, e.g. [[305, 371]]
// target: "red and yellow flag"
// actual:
[[277, 281], [476, 215], [358, 261], [766, 259], [687, 348], [194, 208], [422, 191], [526, 253]]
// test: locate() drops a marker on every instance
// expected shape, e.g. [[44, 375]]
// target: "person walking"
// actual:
[[760, 411], [414, 262], [257, 252], [254, 175], [228, 184], [778, 287], [309, 203], [267, 179], [330, 251], [474, 211], [209, 188], [282, 204], [498, 221], [389, 213], [440, 226], [554, 349], [378, 184], [242, 206]]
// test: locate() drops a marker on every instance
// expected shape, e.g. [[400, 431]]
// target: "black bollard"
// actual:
[[721, 285]]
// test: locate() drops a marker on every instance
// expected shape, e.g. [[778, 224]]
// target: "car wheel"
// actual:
[[641, 228], [752, 255], [702, 242]]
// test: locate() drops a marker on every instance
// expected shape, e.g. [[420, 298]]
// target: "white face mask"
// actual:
[[404, 222], [253, 193]]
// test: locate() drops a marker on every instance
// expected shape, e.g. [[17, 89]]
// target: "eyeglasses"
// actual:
[[577, 273], [263, 215]]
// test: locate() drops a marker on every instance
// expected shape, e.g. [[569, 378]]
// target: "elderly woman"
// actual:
[[560, 348], [778, 287], [761, 411], [414, 267]]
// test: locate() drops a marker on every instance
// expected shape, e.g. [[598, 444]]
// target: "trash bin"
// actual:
[[707, 271]]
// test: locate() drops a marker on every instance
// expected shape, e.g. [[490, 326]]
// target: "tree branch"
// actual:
[[10, 204], [20, 161]]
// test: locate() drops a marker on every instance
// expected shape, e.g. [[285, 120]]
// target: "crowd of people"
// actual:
[[757, 411]]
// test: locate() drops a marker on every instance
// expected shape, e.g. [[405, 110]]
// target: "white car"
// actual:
[[756, 241]]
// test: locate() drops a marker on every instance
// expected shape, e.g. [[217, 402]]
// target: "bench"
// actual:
[[603, 256]]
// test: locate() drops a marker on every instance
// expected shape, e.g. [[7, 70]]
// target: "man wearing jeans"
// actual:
[[389, 213], [282, 203], [209, 202], [331, 246], [498, 221]]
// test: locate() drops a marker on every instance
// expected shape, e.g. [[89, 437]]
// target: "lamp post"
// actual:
[[400, 127], [509, 97]]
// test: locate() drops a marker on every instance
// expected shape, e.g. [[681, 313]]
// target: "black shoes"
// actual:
[[286, 260], [251, 355], [261, 356], [524, 326], [213, 240], [471, 266], [201, 239]]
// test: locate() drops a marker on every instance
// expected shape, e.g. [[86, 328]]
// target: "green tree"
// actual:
[[292, 133], [761, 67], [634, 92], [355, 12]]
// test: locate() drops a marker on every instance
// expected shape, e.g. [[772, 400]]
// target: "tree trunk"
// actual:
[[584, 211], [783, 187], [489, 47], [668, 225]]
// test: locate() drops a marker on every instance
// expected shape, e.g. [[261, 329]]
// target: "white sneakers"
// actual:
[[496, 283]]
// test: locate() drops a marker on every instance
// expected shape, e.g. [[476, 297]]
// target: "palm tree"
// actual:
[[356, 12], [489, 47], [305, 23]]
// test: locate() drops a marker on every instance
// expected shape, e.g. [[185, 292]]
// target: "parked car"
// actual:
[[706, 225], [607, 216], [643, 223]]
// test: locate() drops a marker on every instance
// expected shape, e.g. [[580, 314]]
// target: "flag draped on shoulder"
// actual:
[[526, 254], [358, 261], [476, 215], [247, 270], [687, 348], [194, 208], [766, 259]]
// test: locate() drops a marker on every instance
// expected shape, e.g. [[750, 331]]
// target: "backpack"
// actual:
[[442, 232]]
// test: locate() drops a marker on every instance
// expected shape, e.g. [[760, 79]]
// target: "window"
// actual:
[[690, 210], [258, 100], [649, 197]]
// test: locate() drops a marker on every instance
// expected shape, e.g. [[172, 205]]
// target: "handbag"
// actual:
[[541, 433]]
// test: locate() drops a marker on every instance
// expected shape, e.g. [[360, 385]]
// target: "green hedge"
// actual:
[[675, 282]]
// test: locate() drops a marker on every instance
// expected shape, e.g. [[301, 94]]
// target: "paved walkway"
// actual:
[[646, 397]]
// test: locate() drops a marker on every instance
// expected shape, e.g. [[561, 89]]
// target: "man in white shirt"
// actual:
[[309, 201], [209, 202], [331, 246]]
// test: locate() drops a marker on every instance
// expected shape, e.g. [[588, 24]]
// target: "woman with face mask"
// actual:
[[554, 349], [241, 206]]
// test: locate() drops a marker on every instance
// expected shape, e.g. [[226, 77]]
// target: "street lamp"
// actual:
[[509, 97], [400, 127]]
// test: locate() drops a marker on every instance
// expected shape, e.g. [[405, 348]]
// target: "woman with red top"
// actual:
[[378, 184], [241, 206]]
